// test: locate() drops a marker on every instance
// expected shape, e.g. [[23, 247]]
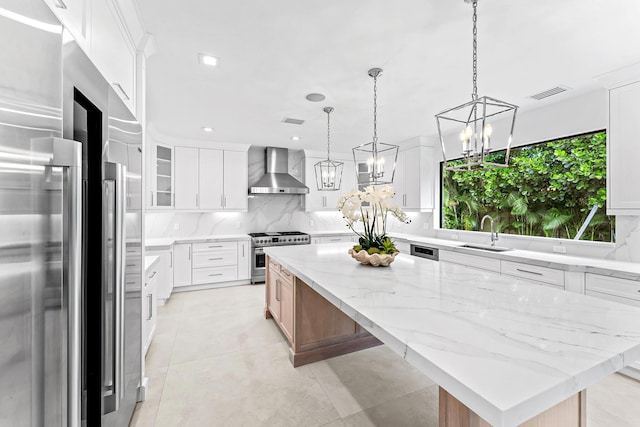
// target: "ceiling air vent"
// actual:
[[549, 92], [292, 121]]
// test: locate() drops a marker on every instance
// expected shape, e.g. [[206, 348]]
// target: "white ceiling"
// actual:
[[274, 52]]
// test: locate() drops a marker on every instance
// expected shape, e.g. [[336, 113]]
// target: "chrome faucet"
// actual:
[[494, 234]]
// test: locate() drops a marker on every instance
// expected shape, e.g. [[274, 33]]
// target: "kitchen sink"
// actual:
[[486, 247]]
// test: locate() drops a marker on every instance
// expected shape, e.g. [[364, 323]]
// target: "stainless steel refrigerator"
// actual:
[[70, 232]]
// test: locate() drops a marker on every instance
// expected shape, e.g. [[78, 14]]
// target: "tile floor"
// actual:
[[215, 361]]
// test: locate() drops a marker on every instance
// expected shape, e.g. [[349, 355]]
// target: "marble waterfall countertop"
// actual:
[[506, 348]]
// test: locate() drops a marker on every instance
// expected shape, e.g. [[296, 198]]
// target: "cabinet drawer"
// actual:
[[215, 246], [474, 261], [273, 264], [534, 272], [621, 288], [214, 275], [214, 259], [286, 275], [336, 239]]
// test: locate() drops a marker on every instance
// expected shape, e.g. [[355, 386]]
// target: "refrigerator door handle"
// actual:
[[67, 155], [114, 394]]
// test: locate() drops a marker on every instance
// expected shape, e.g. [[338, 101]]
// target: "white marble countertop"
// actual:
[[506, 348], [149, 260], [621, 269], [168, 241]]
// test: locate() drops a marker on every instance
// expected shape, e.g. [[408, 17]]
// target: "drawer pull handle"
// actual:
[[532, 272], [215, 259], [217, 274], [286, 273], [217, 246], [153, 275]]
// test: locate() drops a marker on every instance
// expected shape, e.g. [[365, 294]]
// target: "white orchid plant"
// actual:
[[371, 206]]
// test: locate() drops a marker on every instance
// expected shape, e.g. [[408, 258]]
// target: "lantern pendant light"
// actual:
[[375, 161], [328, 172], [473, 119]]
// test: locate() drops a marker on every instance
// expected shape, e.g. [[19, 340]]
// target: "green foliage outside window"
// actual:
[[547, 190]]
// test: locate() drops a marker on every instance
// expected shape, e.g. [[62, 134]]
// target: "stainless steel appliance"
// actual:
[[70, 232], [261, 240], [111, 139], [425, 252], [276, 179]]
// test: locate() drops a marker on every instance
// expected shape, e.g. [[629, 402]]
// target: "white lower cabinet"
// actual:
[[211, 263], [149, 310], [403, 246], [214, 262], [544, 275], [165, 273], [613, 288], [474, 261], [181, 265], [337, 239], [244, 260]]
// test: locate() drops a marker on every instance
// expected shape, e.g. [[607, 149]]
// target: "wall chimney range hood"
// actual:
[[277, 180]]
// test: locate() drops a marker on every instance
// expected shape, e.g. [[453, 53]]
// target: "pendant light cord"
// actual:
[[375, 109], [474, 96], [328, 133]]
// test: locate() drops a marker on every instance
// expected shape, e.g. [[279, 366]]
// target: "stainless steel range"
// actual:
[[261, 240]]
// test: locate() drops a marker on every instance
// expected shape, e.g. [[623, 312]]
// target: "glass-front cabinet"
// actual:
[[162, 182]]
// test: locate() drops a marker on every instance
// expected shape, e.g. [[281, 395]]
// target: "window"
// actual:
[[550, 189]]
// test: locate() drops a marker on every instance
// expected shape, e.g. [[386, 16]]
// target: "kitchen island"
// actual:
[[504, 351]]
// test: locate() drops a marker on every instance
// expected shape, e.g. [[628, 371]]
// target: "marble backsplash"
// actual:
[[266, 213]]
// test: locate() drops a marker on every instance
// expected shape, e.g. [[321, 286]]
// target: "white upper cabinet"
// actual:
[[211, 179], [186, 170], [210, 165], [236, 180], [317, 200], [75, 18], [109, 35], [112, 51], [623, 148], [161, 174], [414, 180]]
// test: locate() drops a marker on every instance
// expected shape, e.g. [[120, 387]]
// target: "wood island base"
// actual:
[[315, 328], [569, 413]]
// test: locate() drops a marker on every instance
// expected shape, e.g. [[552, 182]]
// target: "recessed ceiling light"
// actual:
[[207, 129], [208, 60], [295, 138], [315, 97]]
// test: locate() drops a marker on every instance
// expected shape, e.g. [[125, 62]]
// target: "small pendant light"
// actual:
[[474, 118], [328, 172], [375, 161]]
